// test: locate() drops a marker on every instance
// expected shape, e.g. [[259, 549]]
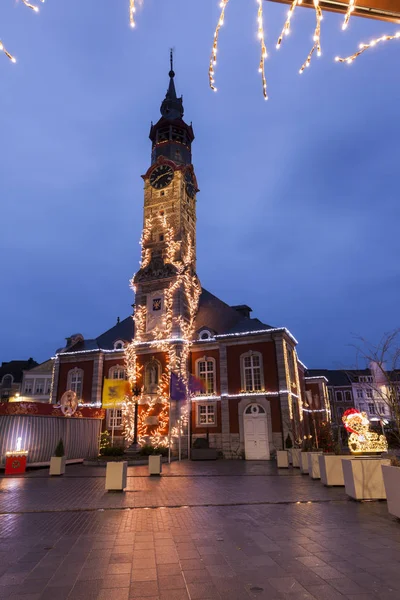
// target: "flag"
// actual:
[[196, 385], [114, 392], [177, 388]]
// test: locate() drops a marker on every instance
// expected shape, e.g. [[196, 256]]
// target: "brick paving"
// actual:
[[224, 530]]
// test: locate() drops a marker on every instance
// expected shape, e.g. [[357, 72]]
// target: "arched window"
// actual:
[[152, 374], [205, 334], [7, 381], [254, 409], [252, 371], [75, 382], [117, 372], [118, 345], [205, 370]]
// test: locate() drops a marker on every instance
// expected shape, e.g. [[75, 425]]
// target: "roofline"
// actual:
[[258, 332], [318, 377]]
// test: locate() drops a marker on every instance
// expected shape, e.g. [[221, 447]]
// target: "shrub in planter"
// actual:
[[201, 443], [57, 462], [288, 442], [112, 451]]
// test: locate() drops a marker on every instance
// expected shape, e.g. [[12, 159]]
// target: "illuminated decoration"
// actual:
[[261, 37], [361, 439], [364, 47], [254, 332], [298, 389], [10, 56], [317, 31], [177, 362], [350, 9], [213, 59], [19, 444], [68, 403], [132, 10]]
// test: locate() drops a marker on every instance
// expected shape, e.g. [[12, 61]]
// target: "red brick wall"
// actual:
[[267, 350], [211, 354], [87, 367]]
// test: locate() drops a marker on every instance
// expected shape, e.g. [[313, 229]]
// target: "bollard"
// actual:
[[155, 464], [116, 476]]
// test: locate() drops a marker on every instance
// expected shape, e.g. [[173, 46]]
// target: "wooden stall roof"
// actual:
[[383, 10]]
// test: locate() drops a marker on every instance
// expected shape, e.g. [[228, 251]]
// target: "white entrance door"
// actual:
[[255, 433]]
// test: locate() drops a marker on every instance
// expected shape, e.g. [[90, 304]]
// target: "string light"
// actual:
[[10, 56], [286, 27], [261, 37], [32, 6], [364, 47], [350, 8], [317, 37], [361, 439], [132, 10], [213, 59]]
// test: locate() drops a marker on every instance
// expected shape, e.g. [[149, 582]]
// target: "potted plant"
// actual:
[[391, 479], [202, 451], [57, 462]]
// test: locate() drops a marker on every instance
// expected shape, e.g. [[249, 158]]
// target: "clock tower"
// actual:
[[168, 263]]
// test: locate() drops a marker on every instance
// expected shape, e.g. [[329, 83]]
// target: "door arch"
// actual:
[[255, 426]]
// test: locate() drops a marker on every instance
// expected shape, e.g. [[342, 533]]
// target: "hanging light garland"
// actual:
[[132, 10], [261, 37], [364, 47], [317, 32], [350, 9]]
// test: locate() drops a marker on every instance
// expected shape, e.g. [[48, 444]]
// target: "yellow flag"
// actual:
[[114, 392]]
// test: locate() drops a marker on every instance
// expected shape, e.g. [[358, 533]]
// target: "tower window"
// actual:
[[161, 237], [162, 193]]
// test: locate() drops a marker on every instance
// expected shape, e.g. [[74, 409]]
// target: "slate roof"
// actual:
[[213, 314], [15, 368], [44, 367], [335, 377]]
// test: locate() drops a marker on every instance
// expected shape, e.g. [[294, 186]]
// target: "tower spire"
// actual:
[[172, 106]]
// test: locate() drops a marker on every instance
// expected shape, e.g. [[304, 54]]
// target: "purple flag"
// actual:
[[196, 385], [177, 388]]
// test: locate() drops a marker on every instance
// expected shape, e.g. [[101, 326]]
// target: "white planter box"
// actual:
[[296, 457], [155, 464], [290, 457], [313, 465], [57, 465], [116, 474], [304, 463], [282, 459], [363, 478], [391, 478], [330, 468]]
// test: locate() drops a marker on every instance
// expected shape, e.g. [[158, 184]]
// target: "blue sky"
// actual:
[[298, 211]]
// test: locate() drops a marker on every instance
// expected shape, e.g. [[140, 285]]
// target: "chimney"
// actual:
[[243, 309]]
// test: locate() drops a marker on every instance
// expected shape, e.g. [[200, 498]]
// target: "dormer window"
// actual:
[[118, 345], [205, 334]]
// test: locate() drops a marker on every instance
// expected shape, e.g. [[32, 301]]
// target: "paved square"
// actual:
[[228, 530]]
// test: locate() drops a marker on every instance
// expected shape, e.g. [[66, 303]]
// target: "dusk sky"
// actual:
[[298, 214]]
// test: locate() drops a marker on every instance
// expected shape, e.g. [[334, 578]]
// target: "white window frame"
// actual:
[[40, 382], [369, 394], [208, 406], [116, 371], [243, 369], [114, 414], [360, 393], [206, 333], [371, 408], [348, 393], [73, 376], [29, 382], [47, 386], [207, 359]]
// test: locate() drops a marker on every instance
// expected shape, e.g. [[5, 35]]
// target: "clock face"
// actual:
[[190, 184], [161, 176]]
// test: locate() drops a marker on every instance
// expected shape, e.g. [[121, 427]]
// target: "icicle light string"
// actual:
[[317, 37], [213, 59], [132, 10], [286, 27], [10, 56], [364, 47], [350, 9], [261, 37]]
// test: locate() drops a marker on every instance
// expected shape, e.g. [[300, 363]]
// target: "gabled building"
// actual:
[[11, 374], [252, 381]]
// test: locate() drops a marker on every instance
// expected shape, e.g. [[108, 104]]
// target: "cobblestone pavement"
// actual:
[[224, 530]]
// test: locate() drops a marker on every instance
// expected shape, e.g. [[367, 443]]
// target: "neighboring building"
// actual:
[[11, 374], [36, 383], [340, 391], [368, 398], [254, 383]]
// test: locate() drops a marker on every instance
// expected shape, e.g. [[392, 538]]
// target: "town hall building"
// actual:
[[253, 386]]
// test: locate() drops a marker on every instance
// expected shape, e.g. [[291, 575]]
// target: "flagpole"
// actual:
[[169, 421], [189, 422]]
